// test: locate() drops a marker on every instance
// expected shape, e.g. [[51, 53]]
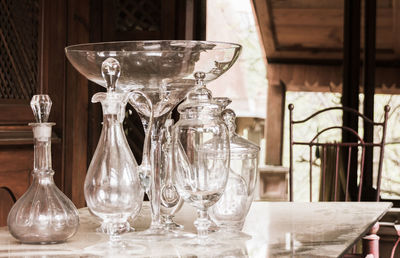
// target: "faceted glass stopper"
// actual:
[[41, 106]]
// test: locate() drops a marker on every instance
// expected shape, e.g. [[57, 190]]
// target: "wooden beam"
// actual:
[[327, 78], [266, 25], [329, 4], [324, 17], [396, 26], [313, 28], [306, 77]]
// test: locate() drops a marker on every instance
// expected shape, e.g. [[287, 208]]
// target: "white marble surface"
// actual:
[[280, 229]]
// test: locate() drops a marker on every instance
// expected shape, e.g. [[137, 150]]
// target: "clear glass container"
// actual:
[[160, 74], [43, 215], [112, 187], [230, 211], [201, 153], [171, 201]]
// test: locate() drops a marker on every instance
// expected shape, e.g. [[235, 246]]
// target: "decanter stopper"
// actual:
[[229, 117], [111, 70], [41, 106]]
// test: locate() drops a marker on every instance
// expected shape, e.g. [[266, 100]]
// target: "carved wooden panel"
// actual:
[[140, 15], [140, 19], [19, 32]]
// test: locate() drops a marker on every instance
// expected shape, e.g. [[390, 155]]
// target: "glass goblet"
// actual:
[[201, 154]]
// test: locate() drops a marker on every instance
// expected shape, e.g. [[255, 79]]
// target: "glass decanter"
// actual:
[[201, 154], [43, 215], [230, 211], [112, 188], [171, 202]]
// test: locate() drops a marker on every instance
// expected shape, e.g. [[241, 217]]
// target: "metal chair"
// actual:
[[340, 148], [342, 166]]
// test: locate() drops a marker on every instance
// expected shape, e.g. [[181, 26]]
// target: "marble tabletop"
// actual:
[[274, 229]]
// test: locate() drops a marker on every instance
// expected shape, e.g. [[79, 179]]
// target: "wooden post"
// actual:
[[76, 113], [274, 123], [370, 242], [369, 93], [351, 79]]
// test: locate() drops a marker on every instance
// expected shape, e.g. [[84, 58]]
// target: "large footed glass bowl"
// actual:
[[152, 64], [158, 75]]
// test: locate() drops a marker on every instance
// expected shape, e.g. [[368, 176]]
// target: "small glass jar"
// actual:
[[230, 211]]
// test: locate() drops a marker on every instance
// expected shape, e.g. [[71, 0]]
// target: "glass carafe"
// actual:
[[230, 211], [43, 215], [112, 187], [201, 153]]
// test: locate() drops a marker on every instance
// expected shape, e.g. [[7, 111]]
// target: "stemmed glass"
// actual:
[[159, 74], [201, 154], [171, 201]]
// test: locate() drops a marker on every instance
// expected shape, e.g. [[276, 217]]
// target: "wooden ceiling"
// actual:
[[313, 29]]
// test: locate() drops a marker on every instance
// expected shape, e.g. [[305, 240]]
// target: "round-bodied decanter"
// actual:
[[230, 211], [43, 215], [201, 153]]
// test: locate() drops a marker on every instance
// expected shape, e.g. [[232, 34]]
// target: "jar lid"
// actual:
[[199, 98], [238, 144]]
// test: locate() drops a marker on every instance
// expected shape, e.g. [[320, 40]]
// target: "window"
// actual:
[[245, 83]]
